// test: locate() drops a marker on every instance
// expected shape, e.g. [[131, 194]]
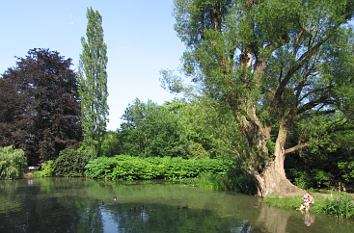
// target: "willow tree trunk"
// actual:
[[273, 180]]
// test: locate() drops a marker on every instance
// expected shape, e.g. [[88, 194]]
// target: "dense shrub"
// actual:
[[136, 168], [343, 207], [12, 162], [346, 169], [211, 181], [110, 145], [234, 179], [71, 162], [46, 169], [322, 179], [300, 178]]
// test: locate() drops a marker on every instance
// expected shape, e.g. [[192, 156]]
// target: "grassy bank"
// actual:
[[336, 204]]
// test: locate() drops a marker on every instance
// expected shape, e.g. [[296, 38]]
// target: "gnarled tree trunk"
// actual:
[[272, 179]]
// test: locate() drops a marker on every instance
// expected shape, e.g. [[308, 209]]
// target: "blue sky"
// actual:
[[139, 35]]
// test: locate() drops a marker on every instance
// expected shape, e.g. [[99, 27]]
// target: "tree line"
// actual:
[[271, 87], [46, 106]]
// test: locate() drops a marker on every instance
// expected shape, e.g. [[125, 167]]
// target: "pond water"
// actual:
[[79, 205]]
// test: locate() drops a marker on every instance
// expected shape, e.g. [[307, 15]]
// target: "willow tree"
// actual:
[[273, 63], [93, 82]]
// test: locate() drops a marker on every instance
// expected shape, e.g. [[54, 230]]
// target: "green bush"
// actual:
[[125, 167], [343, 207], [340, 205], [239, 180], [12, 162], [234, 179], [71, 162], [300, 178], [212, 182], [322, 179], [110, 145], [347, 171], [46, 169]]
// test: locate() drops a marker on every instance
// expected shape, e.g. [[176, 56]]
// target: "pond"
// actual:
[[79, 205]]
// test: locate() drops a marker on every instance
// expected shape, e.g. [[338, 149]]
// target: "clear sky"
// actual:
[[139, 35]]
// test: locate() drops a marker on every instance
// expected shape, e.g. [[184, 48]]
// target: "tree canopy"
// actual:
[[39, 105], [274, 64]]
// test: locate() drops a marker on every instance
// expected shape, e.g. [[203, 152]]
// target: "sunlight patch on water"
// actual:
[[109, 225]]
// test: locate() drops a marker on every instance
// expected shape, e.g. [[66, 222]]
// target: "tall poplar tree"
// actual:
[[93, 82]]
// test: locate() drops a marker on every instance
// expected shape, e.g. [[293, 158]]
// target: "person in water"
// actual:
[[308, 202]]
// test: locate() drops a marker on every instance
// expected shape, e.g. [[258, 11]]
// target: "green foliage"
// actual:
[[234, 179], [335, 204], [293, 202], [211, 182], [46, 169], [313, 178], [271, 146], [314, 129], [322, 178], [12, 162], [239, 180], [301, 182], [111, 144], [199, 129], [209, 128], [300, 178], [174, 83], [136, 168], [342, 207], [347, 171], [72, 162], [322, 170], [151, 130], [93, 82], [273, 63]]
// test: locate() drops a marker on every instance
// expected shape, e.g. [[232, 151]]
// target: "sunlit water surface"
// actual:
[[79, 205]]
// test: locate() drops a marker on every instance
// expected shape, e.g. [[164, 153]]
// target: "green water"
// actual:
[[78, 205]]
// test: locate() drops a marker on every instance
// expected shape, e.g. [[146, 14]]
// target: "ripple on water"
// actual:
[[8, 207]]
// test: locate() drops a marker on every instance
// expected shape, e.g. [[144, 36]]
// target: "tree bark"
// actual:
[[273, 180]]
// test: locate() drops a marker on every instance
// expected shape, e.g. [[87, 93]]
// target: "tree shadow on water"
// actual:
[[157, 218], [273, 220]]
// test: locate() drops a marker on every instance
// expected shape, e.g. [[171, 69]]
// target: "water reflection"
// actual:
[[76, 205], [308, 219], [134, 218], [273, 220]]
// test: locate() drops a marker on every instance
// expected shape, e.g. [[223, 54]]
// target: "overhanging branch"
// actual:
[[314, 103], [295, 148], [300, 62]]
